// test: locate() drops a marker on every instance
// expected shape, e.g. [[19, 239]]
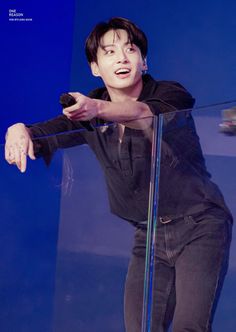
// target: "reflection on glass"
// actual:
[[194, 223], [97, 199]]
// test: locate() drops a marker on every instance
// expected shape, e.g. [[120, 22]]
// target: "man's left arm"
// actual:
[[133, 114]]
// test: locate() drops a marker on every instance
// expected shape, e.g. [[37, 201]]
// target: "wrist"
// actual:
[[101, 106]]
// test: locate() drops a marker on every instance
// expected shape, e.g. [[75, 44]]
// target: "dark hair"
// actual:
[[135, 36]]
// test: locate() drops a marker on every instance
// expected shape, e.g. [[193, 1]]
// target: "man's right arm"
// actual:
[[39, 140]]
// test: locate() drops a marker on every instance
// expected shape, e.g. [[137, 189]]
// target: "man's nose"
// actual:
[[122, 57]]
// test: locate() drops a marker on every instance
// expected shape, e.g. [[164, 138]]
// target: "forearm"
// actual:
[[133, 114]]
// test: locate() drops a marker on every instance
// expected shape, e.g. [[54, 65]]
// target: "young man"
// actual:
[[194, 225]]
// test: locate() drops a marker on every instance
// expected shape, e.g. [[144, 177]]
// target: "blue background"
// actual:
[[191, 42]]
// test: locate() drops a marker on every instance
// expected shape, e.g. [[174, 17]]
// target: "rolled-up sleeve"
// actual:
[[169, 97]]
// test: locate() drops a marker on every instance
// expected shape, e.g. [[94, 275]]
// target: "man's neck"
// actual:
[[130, 93]]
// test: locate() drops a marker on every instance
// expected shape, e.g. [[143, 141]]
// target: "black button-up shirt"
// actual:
[[185, 185]]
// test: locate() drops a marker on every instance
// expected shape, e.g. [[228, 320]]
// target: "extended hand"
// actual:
[[18, 146], [85, 108]]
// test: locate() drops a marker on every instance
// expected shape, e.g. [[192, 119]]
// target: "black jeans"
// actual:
[[191, 260]]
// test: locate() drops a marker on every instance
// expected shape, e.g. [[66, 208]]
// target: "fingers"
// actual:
[[23, 156], [23, 161], [18, 146], [85, 108], [20, 157], [72, 108], [31, 150], [9, 154], [76, 95], [17, 158], [76, 108], [75, 113], [16, 155]]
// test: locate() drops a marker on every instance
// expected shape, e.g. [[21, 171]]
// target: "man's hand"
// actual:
[[85, 108], [18, 146], [131, 113]]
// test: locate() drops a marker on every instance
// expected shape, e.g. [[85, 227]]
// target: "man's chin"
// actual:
[[126, 83]]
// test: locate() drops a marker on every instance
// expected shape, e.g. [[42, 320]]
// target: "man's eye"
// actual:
[[131, 49], [109, 52]]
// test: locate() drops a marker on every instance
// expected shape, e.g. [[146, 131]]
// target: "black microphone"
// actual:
[[67, 100]]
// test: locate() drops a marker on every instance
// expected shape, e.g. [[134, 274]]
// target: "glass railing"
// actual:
[[192, 220], [68, 231], [76, 232]]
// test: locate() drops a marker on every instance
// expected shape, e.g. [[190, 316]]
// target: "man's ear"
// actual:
[[145, 66], [94, 69]]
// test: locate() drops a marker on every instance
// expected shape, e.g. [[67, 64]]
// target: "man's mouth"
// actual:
[[122, 71]]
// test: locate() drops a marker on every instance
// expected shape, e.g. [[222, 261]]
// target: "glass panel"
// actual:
[[93, 250], [30, 206], [69, 233], [93, 218], [97, 218], [196, 200]]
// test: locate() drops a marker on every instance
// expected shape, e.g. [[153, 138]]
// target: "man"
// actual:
[[194, 225]]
